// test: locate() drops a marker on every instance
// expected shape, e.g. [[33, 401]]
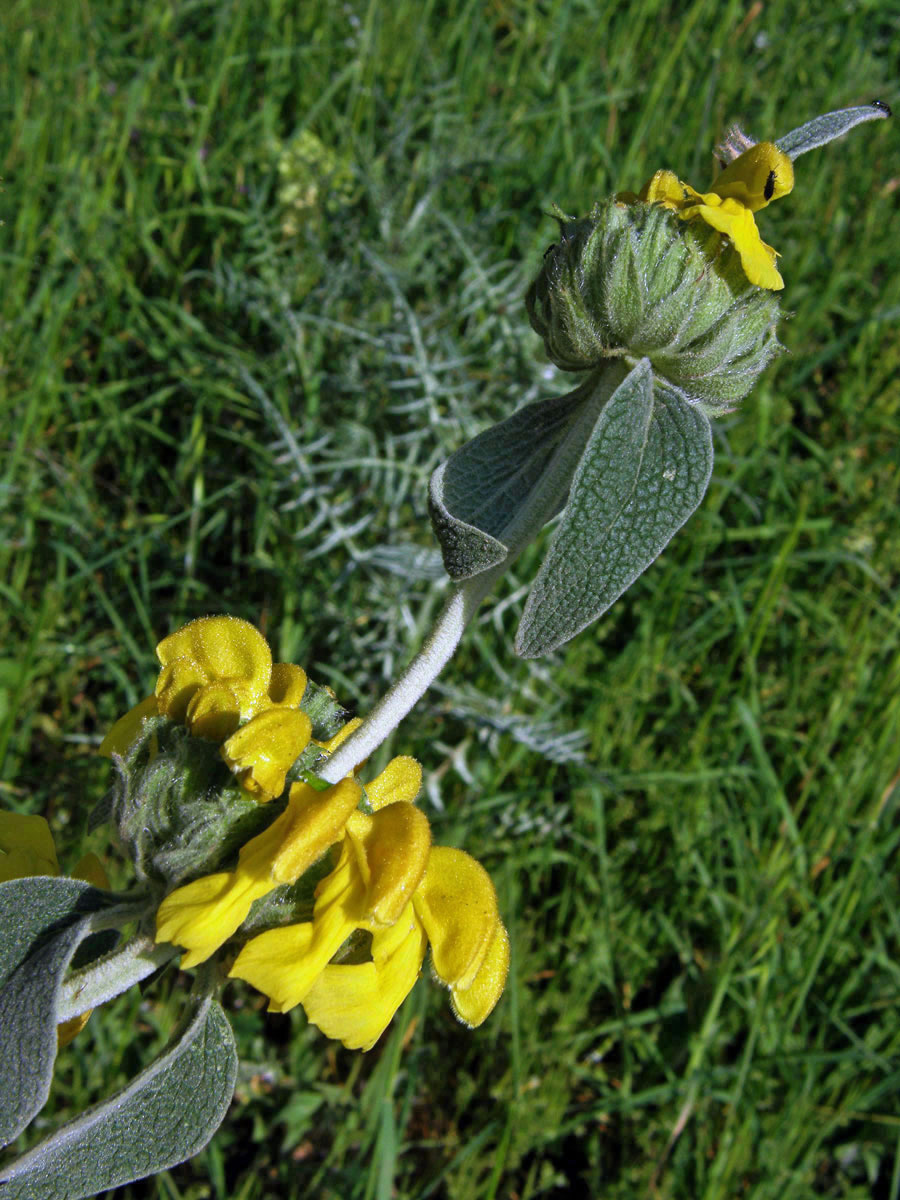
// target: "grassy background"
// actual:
[[219, 395]]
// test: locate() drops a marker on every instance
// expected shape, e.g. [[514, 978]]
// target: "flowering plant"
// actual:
[[260, 846]]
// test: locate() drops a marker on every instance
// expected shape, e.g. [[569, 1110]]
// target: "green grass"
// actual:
[[691, 811]]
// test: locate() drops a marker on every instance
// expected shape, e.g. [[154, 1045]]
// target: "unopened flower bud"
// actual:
[[632, 280]]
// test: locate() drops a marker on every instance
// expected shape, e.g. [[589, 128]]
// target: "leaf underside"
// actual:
[[474, 496]]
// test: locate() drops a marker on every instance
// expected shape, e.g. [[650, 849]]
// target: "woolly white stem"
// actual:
[[111, 975], [437, 651]]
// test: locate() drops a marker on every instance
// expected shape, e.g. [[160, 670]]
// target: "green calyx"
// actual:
[[177, 809], [633, 281]]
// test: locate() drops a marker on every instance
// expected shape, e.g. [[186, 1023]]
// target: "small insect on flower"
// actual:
[[758, 174], [756, 178]]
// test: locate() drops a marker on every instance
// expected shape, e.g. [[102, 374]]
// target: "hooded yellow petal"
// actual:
[[474, 1004], [261, 752], [314, 821], [127, 728], [209, 649], [457, 904], [222, 647], [665, 188], [26, 847], [284, 963], [736, 221], [202, 915], [760, 175], [355, 1003], [178, 683], [400, 780], [287, 685], [394, 847], [215, 709]]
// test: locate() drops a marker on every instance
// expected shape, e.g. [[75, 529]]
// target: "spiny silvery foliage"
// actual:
[[540, 733], [351, 490]]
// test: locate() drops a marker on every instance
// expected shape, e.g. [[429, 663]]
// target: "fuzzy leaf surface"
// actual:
[[644, 471], [165, 1115], [42, 922], [37, 905], [824, 129]]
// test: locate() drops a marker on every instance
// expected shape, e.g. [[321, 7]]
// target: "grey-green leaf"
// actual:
[[824, 129], [42, 922], [165, 1115], [475, 495], [32, 906], [644, 471]]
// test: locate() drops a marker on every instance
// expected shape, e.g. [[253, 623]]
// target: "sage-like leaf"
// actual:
[[826, 128], [42, 922], [166, 1114], [644, 470], [477, 492]]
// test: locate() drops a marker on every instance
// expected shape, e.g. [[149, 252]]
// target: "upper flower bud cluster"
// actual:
[[679, 276], [633, 281]]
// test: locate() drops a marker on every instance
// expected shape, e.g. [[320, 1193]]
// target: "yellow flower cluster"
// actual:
[[390, 892], [389, 882], [754, 179], [218, 678]]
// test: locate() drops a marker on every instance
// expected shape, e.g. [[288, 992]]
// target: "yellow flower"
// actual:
[[218, 668], [218, 678], [27, 849], [355, 1003], [756, 178], [457, 905], [202, 916], [391, 883], [261, 752]]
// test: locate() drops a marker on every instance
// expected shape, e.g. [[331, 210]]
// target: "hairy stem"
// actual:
[[437, 651], [111, 975]]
